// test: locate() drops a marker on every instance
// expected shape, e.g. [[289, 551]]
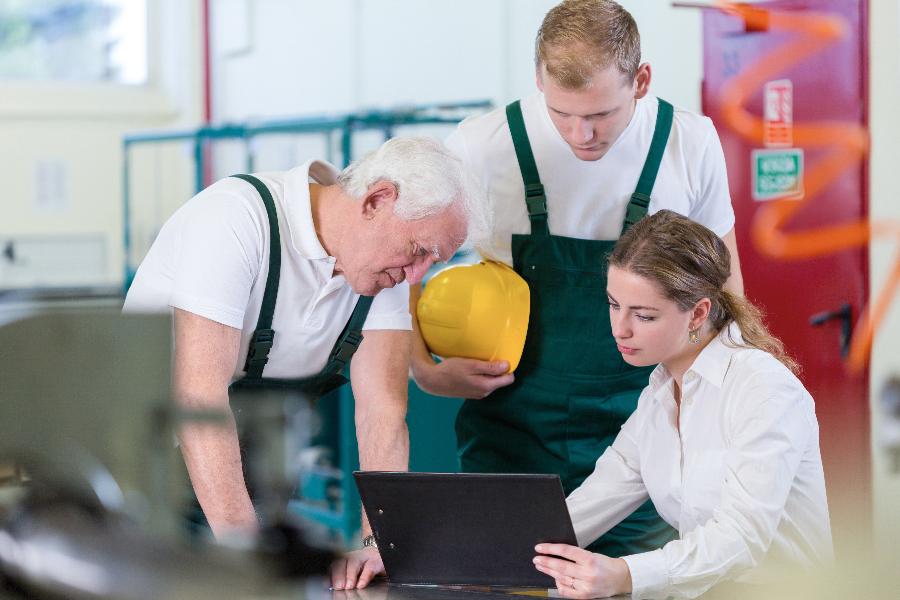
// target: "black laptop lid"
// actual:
[[464, 528]]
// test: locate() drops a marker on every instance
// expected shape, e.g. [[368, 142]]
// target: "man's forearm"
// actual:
[[735, 282], [212, 456], [379, 377], [421, 357], [383, 441], [205, 357]]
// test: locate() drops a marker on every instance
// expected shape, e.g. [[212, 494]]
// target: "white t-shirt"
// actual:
[[211, 258], [740, 477], [587, 199]]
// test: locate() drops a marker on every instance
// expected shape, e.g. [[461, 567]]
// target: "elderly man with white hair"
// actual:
[[277, 279]]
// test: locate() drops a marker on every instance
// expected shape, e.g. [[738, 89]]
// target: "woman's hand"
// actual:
[[583, 574]]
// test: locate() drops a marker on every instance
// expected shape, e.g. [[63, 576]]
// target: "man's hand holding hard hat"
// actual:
[[476, 318]]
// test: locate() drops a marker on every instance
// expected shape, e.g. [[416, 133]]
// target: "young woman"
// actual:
[[724, 439]]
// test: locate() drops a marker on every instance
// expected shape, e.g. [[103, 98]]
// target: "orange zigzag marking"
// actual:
[[849, 144]]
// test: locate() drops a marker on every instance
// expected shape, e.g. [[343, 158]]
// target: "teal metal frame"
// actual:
[[340, 515]]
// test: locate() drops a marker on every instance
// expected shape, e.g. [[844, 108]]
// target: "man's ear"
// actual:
[[381, 196], [642, 81]]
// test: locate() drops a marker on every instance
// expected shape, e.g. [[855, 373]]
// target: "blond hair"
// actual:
[[578, 37], [688, 262]]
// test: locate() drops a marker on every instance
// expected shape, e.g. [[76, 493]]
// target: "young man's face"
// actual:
[[591, 119]]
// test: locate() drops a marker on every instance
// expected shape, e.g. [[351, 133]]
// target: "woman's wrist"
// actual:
[[624, 576]]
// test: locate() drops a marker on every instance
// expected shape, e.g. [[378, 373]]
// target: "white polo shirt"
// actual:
[[587, 199], [211, 258]]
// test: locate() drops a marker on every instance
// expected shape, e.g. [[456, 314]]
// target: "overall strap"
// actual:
[[640, 199], [264, 336], [331, 376], [535, 198], [348, 342]]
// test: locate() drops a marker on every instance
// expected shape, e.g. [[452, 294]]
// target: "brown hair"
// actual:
[[689, 262], [577, 37]]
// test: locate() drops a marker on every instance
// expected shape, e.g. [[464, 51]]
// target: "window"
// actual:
[[79, 41]]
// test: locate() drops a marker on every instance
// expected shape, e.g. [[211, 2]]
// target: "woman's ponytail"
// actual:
[[749, 319]]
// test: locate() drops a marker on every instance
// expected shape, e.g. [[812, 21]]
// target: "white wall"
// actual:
[[884, 205], [280, 57]]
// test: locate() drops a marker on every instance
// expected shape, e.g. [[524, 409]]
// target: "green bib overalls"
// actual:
[[331, 376], [315, 386], [572, 391]]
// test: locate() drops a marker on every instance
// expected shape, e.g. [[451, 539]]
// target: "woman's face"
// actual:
[[648, 327]]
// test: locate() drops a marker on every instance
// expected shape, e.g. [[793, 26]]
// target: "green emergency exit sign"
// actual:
[[777, 173]]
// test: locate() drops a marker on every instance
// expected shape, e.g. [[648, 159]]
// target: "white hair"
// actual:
[[429, 180]]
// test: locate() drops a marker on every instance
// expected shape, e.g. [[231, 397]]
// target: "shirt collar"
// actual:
[[297, 207], [711, 364]]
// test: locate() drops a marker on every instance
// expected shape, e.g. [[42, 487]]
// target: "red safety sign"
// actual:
[[778, 114]]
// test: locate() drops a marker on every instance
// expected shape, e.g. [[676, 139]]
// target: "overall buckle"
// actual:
[[535, 199], [348, 346], [260, 345], [636, 208]]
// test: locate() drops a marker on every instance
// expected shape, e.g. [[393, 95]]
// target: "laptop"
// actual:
[[464, 528]]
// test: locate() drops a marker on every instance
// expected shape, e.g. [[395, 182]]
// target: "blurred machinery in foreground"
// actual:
[[93, 507]]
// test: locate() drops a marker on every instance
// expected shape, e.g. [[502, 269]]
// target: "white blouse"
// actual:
[[740, 476]]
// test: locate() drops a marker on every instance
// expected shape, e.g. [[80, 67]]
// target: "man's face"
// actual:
[[591, 119], [386, 250]]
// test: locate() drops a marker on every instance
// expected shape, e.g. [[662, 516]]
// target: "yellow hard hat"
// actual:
[[476, 311]]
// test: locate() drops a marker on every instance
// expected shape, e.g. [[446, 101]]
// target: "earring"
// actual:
[[694, 336]]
